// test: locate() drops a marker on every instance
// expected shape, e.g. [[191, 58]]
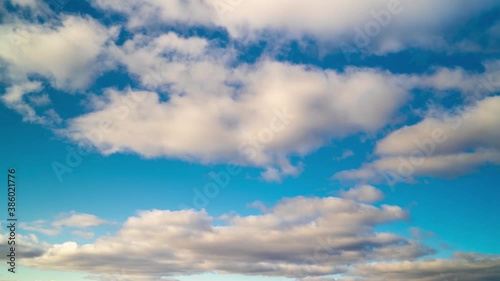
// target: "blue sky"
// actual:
[[247, 140]]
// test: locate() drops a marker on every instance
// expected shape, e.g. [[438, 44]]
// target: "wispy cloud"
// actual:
[[444, 144], [65, 221]]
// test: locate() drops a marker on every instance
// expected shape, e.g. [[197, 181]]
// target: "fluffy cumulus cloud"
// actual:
[[196, 101], [377, 26], [444, 144], [325, 237], [253, 115], [14, 99], [25, 97], [473, 86], [200, 108], [363, 193], [66, 53]]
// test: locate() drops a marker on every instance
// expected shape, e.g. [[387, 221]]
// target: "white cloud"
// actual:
[[254, 115], [15, 93], [14, 99], [363, 193], [391, 25], [323, 238], [79, 220], [475, 126], [473, 86], [201, 106], [141, 13], [69, 54], [272, 174], [40, 226], [66, 54], [83, 234], [25, 3], [443, 144], [462, 267], [41, 8]]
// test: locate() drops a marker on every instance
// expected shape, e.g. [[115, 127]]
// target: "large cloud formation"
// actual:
[[377, 26], [253, 115], [325, 236], [200, 108], [67, 53], [196, 101], [444, 144]]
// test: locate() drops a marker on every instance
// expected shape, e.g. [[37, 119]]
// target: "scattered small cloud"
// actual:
[[363, 193]]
